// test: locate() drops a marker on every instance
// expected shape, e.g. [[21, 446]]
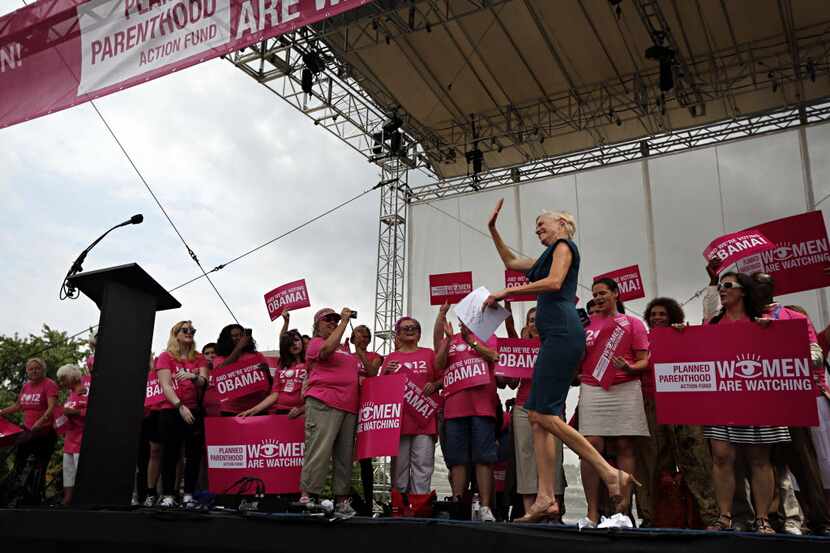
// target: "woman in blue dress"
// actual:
[[553, 277]]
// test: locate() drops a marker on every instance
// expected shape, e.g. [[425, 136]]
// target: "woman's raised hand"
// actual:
[[495, 215]]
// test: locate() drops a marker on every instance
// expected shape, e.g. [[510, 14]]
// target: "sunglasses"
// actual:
[[332, 318], [409, 328], [186, 330], [728, 285]]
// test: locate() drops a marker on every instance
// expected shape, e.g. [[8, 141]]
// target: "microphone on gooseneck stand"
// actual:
[[67, 289]]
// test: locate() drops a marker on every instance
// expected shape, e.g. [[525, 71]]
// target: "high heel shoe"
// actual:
[[538, 514], [622, 483]]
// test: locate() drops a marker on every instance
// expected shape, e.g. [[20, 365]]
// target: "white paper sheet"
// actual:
[[482, 323]]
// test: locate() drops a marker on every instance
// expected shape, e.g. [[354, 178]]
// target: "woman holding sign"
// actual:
[[412, 468], [182, 373], [553, 277], [611, 410], [331, 403], [739, 304], [235, 346]]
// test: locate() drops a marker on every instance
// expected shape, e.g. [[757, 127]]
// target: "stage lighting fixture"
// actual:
[[388, 40], [377, 143], [811, 69], [429, 27], [395, 141], [665, 57], [313, 62], [306, 80], [411, 17], [515, 174], [617, 8], [476, 158], [392, 125], [374, 24]]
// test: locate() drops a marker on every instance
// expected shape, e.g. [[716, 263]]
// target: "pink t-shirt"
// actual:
[[34, 400], [239, 404], [90, 362], [419, 368], [288, 385], [635, 339], [185, 389], [479, 401], [75, 430], [335, 380]]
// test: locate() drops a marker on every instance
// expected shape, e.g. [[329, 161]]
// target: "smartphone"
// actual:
[[583, 316], [354, 314], [249, 331]]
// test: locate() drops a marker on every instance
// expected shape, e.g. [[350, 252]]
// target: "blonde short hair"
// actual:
[[71, 372], [37, 360], [564, 216], [175, 349]]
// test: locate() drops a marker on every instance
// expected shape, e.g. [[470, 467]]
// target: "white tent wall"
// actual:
[[695, 196]]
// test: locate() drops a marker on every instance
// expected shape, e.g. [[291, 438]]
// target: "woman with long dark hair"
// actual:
[[182, 373], [739, 305], [236, 344], [286, 393], [553, 277]]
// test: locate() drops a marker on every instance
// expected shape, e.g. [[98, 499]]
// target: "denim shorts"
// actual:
[[470, 440]]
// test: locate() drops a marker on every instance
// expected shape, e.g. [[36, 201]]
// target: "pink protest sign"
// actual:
[[240, 379], [609, 344], [734, 374], [449, 287], [54, 55], [512, 279], [379, 416], [629, 281], [517, 357], [8, 432], [270, 448], [800, 255], [467, 369], [287, 297], [731, 248], [421, 406], [154, 394]]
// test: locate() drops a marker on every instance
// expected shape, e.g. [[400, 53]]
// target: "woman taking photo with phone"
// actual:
[[553, 277]]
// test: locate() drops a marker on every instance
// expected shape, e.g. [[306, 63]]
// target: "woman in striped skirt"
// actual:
[[738, 305]]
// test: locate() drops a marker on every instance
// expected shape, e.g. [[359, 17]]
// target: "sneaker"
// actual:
[[307, 502], [150, 501], [486, 515], [793, 528], [188, 502], [585, 522], [344, 510], [618, 520], [134, 502], [167, 502]]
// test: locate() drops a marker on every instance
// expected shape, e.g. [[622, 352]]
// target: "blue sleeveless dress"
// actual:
[[561, 334]]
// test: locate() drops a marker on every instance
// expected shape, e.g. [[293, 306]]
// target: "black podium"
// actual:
[[128, 299]]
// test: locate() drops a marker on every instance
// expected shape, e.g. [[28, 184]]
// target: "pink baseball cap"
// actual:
[[322, 313]]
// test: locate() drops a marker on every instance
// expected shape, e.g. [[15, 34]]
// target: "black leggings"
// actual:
[[40, 445], [174, 432]]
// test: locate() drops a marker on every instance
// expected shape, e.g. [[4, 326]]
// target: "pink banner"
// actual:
[[609, 342], [449, 287], [57, 54], [8, 432], [629, 281], [732, 247], [517, 357], [801, 253], [423, 406], [513, 279], [734, 374], [269, 448], [154, 394], [468, 371], [379, 416], [287, 297], [239, 379]]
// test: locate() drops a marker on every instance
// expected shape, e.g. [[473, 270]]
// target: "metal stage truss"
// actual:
[[478, 94]]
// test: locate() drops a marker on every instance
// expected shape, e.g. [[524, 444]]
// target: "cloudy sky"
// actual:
[[234, 166]]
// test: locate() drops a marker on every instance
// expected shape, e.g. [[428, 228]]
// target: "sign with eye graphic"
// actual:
[[739, 374], [269, 448]]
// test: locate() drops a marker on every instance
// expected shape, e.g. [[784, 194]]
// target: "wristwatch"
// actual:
[[178, 404], [474, 345]]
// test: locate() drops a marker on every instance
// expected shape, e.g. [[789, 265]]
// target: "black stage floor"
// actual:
[[146, 531]]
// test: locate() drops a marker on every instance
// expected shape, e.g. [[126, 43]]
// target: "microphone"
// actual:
[[67, 289]]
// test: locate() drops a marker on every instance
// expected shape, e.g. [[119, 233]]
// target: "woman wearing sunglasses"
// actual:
[[331, 403], [412, 468], [739, 305], [182, 373]]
